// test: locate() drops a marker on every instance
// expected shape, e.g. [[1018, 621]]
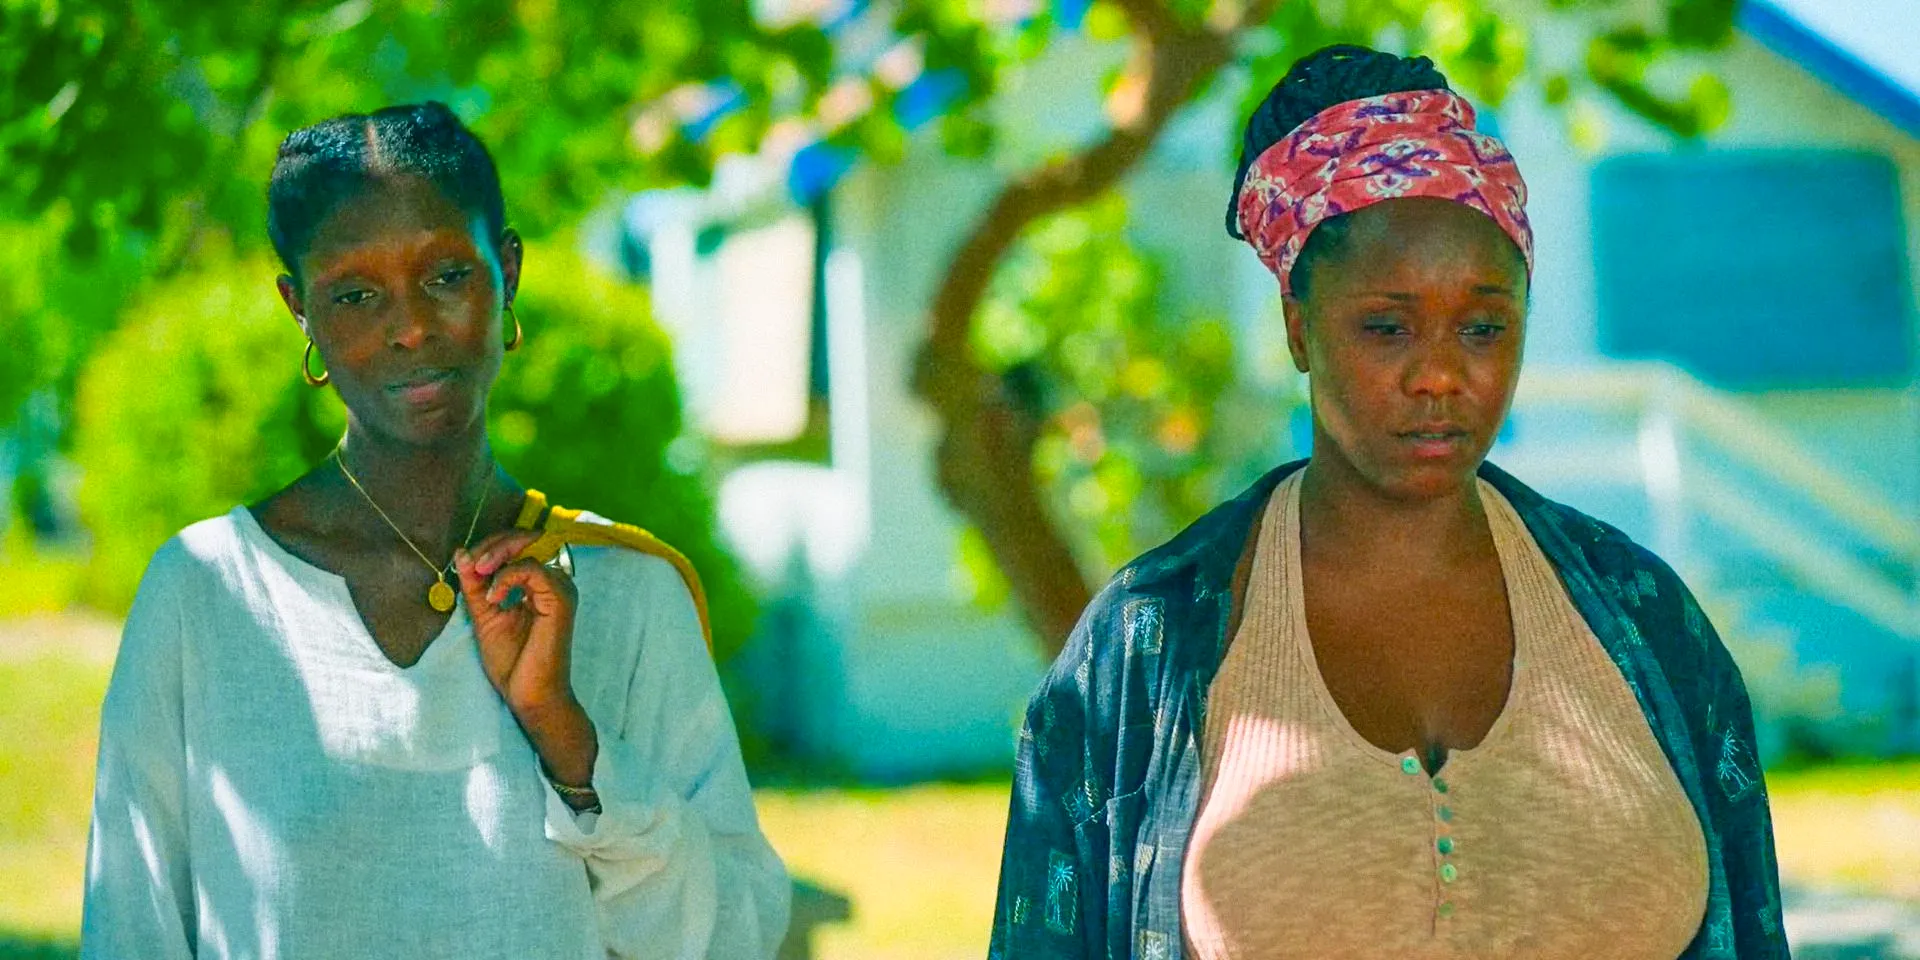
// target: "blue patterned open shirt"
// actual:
[[1107, 779]]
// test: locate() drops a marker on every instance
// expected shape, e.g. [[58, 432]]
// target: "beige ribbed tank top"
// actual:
[[1564, 833]]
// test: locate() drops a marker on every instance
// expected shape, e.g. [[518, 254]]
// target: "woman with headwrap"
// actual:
[[1390, 702]]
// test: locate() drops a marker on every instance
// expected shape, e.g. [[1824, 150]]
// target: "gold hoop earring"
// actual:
[[513, 344], [306, 369]]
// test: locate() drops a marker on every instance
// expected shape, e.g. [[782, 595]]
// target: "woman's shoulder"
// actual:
[[188, 567], [1132, 602], [1154, 604], [1659, 608], [638, 564], [1608, 550], [200, 548], [630, 549], [1212, 543], [617, 558]]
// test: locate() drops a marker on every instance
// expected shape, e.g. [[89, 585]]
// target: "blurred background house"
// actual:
[[1721, 361]]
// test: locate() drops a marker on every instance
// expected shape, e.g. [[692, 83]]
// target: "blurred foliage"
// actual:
[[1637, 55], [1147, 422], [53, 306], [136, 137], [157, 115], [130, 128], [38, 578], [14, 947], [133, 131], [192, 405], [196, 403]]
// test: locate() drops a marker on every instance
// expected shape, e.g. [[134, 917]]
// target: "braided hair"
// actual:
[[1327, 77], [328, 163]]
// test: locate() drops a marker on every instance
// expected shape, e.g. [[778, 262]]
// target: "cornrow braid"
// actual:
[[1327, 77], [323, 165]]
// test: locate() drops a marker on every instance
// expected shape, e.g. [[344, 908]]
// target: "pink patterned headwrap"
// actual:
[[1356, 154]]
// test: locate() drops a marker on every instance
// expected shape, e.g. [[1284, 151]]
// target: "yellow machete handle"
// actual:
[[563, 528]]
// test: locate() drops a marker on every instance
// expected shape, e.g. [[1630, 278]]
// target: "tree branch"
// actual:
[[984, 462], [1151, 18], [1254, 15]]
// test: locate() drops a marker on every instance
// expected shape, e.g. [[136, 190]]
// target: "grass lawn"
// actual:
[[919, 863], [1850, 826], [48, 714]]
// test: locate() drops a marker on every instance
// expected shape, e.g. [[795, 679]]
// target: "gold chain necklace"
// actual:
[[440, 596]]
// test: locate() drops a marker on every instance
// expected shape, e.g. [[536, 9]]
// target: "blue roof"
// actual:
[[1864, 48]]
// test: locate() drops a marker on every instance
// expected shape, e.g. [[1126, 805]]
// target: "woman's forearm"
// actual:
[[564, 737]]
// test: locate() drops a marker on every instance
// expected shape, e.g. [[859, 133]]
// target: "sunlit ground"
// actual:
[[1851, 827], [918, 863]]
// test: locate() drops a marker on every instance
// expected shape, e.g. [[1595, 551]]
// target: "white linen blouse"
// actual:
[[270, 785]]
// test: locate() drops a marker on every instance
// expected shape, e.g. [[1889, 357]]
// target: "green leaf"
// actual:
[[1701, 24]]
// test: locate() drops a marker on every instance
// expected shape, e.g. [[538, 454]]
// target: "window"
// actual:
[[1756, 269], [744, 300]]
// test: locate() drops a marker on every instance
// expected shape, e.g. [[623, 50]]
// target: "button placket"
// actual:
[[1444, 845]]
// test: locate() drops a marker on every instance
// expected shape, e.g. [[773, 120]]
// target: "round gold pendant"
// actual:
[[440, 596]]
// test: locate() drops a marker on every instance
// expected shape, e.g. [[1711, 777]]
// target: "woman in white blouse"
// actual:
[[355, 719]]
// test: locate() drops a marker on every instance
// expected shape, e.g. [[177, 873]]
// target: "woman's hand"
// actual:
[[526, 648]]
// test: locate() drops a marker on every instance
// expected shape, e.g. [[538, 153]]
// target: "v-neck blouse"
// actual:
[[440, 713], [1563, 833], [272, 785]]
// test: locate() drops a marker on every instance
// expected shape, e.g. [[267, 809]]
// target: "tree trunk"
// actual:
[[984, 462]]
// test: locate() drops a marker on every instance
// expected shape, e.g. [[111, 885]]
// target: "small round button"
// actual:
[[1448, 873], [1445, 845], [1409, 765], [1445, 814], [1439, 785]]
